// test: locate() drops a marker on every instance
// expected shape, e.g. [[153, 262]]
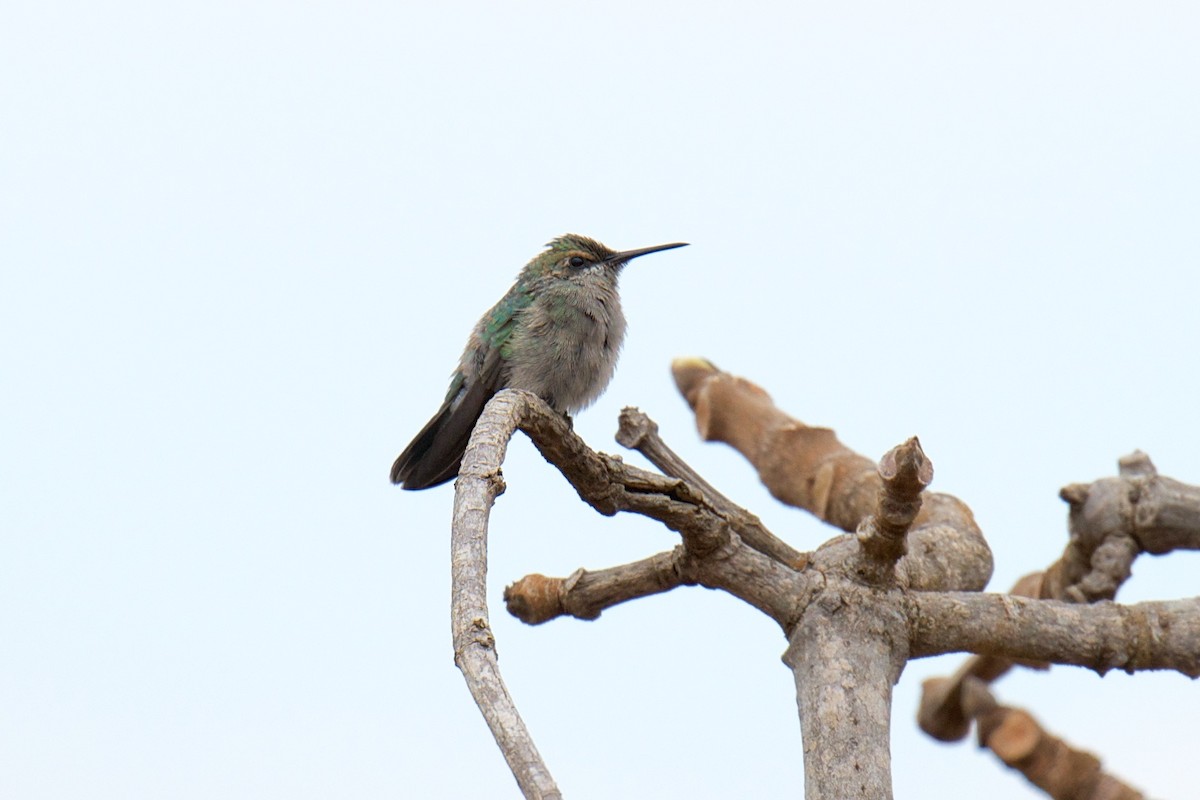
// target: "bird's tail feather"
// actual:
[[435, 454], [431, 458]]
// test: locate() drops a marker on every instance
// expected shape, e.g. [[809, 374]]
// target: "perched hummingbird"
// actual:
[[557, 333]]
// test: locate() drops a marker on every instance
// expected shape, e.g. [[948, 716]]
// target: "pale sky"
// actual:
[[243, 245]]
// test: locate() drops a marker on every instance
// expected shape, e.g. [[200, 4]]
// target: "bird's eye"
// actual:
[[577, 261]]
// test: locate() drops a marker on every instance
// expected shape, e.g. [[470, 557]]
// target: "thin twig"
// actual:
[[638, 432]]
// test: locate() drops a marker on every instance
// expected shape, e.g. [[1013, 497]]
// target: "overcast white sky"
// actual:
[[242, 245]]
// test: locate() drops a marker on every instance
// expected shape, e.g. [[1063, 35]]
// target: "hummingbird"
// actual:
[[556, 333]]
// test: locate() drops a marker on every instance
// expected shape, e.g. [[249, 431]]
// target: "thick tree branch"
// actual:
[[941, 713], [856, 609], [810, 469], [1111, 521], [1100, 636], [802, 466], [846, 653]]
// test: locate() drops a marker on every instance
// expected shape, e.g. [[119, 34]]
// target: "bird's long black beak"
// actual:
[[629, 255]]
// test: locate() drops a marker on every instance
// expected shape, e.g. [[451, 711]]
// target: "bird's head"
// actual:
[[571, 255]]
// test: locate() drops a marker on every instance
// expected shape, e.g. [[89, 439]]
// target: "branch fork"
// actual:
[[902, 582]]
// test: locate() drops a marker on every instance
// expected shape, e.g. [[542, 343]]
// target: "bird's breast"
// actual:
[[566, 347]]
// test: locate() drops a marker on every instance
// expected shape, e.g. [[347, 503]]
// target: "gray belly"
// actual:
[[568, 366]]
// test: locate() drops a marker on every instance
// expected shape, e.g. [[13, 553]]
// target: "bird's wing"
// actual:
[[436, 452], [497, 326]]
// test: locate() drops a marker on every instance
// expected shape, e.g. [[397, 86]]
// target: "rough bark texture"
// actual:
[[941, 713], [711, 553], [1101, 636], [1111, 521], [846, 653], [902, 583]]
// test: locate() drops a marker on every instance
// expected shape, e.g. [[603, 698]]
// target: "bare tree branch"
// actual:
[[712, 554], [809, 468], [846, 653], [1048, 762], [1111, 521], [478, 485], [802, 466], [584, 594], [1100, 636], [855, 609], [905, 472], [638, 432], [941, 713]]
